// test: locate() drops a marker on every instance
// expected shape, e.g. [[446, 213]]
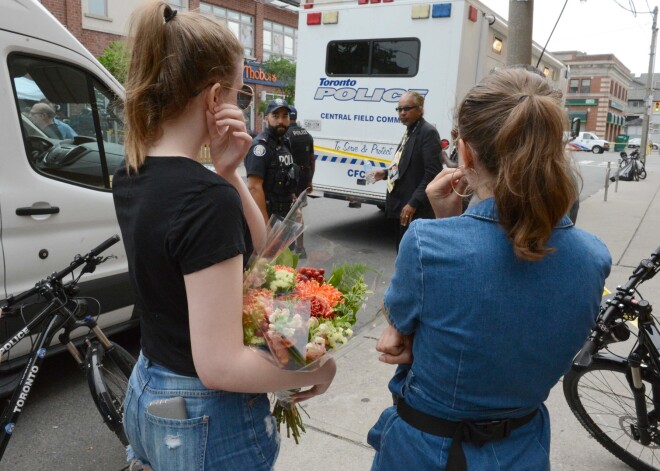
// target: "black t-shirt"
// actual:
[[176, 218]]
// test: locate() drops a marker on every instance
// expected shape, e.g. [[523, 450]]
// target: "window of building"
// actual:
[[72, 124], [379, 57], [280, 40], [573, 86], [585, 86], [98, 7], [240, 24]]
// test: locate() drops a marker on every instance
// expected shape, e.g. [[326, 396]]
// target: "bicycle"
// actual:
[[616, 397], [106, 365], [637, 165]]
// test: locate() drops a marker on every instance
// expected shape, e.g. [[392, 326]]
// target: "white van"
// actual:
[[55, 193]]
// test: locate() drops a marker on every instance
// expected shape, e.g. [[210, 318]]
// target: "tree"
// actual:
[[115, 58], [285, 70]]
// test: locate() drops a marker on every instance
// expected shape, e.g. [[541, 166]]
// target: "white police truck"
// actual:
[[355, 60]]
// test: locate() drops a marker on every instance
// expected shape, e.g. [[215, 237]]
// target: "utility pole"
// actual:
[[521, 15], [649, 89]]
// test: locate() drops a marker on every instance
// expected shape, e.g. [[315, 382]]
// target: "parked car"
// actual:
[[56, 198], [635, 142]]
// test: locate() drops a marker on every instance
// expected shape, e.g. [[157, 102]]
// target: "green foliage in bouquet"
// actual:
[[349, 279]]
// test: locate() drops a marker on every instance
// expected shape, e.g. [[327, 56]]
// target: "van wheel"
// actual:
[[597, 150]]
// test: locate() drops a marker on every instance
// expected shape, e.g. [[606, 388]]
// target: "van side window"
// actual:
[[72, 124], [373, 57]]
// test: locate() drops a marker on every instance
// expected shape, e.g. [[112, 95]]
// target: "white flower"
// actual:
[[284, 280]]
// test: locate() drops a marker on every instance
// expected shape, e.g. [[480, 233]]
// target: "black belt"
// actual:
[[473, 432]]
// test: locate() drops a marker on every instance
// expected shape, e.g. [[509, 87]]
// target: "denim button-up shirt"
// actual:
[[492, 333]]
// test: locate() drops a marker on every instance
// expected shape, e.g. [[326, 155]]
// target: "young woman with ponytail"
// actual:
[[487, 309], [187, 231]]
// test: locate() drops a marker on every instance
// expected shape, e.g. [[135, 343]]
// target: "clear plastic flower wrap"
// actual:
[[298, 314]]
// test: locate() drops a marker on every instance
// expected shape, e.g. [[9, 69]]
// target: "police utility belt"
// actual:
[[473, 432]]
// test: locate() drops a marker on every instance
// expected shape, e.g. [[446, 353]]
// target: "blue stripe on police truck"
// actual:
[[333, 159]]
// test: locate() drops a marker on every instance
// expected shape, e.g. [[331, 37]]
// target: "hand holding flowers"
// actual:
[[296, 314]]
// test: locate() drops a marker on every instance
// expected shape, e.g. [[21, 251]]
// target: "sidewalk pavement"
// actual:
[[629, 224]]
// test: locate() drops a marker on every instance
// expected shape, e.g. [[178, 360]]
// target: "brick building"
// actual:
[[597, 91], [265, 27]]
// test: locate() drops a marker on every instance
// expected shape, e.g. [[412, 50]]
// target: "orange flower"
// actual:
[[284, 268], [255, 303], [322, 297], [325, 291]]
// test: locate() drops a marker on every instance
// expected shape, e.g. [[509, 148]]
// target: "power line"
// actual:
[[553, 30]]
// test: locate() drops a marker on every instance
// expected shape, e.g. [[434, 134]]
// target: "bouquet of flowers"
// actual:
[[297, 313]]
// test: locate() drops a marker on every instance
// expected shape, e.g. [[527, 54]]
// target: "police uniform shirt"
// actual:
[[257, 159], [302, 148], [264, 147], [302, 144]]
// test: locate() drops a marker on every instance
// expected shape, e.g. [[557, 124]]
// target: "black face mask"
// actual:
[[278, 130]]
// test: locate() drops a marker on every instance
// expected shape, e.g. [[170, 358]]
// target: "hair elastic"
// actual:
[[169, 16]]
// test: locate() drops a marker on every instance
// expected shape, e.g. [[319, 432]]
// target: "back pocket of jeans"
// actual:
[[175, 443]]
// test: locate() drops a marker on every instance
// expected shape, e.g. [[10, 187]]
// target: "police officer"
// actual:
[[302, 148], [272, 174]]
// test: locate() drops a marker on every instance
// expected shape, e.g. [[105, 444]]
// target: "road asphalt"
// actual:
[[628, 223]]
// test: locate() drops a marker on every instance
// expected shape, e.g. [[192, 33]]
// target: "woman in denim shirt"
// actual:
[[487, 309]]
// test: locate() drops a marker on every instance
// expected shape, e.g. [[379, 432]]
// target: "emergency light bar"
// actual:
[[418, 12]]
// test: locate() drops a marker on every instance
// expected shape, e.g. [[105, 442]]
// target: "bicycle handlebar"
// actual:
[[644, 271], [77, 262]]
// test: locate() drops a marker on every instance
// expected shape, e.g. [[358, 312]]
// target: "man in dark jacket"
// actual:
[[415, 163]]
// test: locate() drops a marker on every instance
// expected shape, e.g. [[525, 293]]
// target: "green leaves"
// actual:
[[287, 258], [115, 58], [285, 70]]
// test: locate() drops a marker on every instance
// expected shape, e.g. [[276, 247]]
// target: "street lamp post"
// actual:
[[521, 14], [649, 89]]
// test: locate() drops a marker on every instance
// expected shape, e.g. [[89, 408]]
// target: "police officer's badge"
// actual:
[[259, 150]]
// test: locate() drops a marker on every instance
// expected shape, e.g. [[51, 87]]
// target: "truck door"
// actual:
[[55, 192]]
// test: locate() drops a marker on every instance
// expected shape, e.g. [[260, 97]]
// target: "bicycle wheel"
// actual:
[[107, 374], [602, 401], [642, 173]]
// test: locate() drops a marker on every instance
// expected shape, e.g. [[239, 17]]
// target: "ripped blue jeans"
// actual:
[[224, 430]]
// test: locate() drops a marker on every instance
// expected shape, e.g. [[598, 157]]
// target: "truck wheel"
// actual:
[[597, 150]]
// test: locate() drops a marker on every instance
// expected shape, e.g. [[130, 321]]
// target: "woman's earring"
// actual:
[[451, 182]]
